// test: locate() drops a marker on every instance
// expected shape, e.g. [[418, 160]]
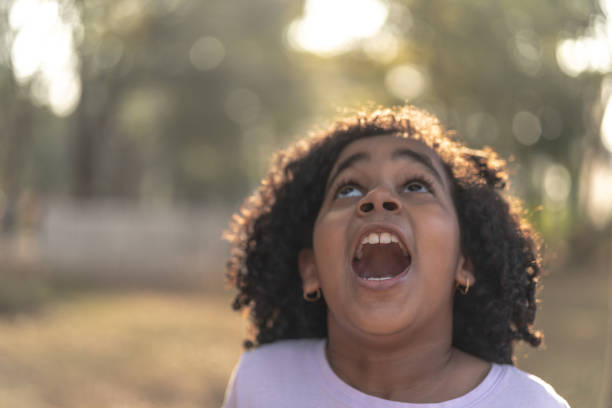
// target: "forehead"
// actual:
[[382, 148]]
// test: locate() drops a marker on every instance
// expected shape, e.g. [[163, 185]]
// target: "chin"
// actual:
[[383, 321]]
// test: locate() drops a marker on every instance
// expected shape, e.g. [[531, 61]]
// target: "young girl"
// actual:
[[383, 265]]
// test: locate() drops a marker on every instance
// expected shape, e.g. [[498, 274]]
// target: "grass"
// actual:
[[120, 350], [575, 317], [150, 349]]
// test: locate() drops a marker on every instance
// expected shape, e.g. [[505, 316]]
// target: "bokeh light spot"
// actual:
[[207, 53], [588, 53], [332, 27], [21, 12], [557, 183], [599, 205], [606, 127], [571, 57], [109, 52], [64, 94], [526, 128], [527, 51], [405, 82], [44, 46], [383, 47]]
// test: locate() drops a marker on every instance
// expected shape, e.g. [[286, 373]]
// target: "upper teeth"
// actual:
[[379, 238]]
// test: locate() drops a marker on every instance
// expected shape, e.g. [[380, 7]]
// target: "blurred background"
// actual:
[[131, 129]]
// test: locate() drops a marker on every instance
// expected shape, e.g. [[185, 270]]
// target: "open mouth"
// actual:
[[380, 256]]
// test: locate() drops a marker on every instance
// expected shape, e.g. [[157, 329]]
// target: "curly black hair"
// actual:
[[277, 220]]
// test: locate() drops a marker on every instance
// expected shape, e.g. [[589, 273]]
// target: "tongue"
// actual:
[[380, 261]]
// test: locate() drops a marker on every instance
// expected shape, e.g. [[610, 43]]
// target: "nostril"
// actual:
[[366, 207], [390, 206]]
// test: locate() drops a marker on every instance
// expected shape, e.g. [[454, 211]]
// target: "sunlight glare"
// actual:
[[599, 203], [572, 57], [20, 12], [606, 6], [332, 27], [606, 127], [44, 47], [591, 52], [64, 94]]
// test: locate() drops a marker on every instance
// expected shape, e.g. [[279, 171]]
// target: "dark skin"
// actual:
[[392, 340]]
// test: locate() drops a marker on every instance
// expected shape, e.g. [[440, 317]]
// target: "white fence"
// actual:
[[118, 243]]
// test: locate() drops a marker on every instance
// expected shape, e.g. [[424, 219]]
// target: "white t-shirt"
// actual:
[[296, 374]]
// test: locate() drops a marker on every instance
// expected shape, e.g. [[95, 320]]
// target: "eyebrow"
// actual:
[[397, 154], [421, 158], [346, 163]]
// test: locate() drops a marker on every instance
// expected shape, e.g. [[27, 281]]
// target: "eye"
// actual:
[[417, 185], [348, 190]]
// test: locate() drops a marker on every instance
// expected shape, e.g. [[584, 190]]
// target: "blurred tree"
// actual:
[[15, 135], [170, 89], [185, 100]]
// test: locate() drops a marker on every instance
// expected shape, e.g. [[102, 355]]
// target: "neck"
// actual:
[[414, 368]]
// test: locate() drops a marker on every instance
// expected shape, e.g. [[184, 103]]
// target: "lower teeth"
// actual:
[[379, 279]]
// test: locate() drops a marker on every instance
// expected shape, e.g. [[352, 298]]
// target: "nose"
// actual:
[[377, 200]]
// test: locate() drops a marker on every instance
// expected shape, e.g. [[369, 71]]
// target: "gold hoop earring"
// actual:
[[313, 296], [464, 290]]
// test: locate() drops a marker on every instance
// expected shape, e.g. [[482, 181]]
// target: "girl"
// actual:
[[384, 266]]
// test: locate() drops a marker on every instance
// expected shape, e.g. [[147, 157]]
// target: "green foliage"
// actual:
[[185, 100]]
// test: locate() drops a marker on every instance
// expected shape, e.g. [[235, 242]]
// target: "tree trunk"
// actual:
[[18, 139]]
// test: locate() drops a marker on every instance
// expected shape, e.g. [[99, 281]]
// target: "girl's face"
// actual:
[[386, 249]]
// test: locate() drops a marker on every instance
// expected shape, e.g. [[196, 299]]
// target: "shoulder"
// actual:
[[529, 390], [277, 372], [279, 363]]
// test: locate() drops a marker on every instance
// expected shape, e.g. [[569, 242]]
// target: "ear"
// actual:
[[464, 275], [308, 270]]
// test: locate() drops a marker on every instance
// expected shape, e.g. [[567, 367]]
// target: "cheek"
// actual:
[[329, 242], [440, 241]]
